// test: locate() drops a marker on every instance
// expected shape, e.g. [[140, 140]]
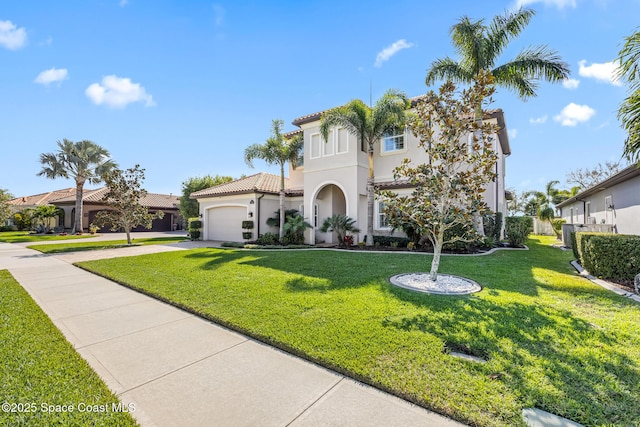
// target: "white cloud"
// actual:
[[123, 3], [513, 133], [52, 75], [12, 37], [218, 15], [386, 53], [571, 83], [560, 4], [118, 92], [602, 72], [573, 114], [539, 120]]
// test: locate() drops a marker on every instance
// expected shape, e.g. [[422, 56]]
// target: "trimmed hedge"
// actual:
[[388, 240], [609, 256], [574, 245]]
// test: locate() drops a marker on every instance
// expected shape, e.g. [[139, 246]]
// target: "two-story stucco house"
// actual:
[[330, 178], [614, 203]]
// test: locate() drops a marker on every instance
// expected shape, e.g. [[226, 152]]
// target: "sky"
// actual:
[[183, 87]]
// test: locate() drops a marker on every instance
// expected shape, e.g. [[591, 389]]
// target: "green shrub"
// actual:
[[493, 225], [195, 234], [247, 235], [609, 256], [389, 240], [517, 229], [195, 224], [268, 239], [247, 225], [232, 245], [574, 245], [556, 224]]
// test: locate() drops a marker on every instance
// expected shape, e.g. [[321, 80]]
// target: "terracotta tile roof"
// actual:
[[43, 198], [151, 200], [259, 183]]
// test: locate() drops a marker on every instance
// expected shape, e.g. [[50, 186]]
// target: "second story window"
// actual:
[[300, 161], [393, 141]]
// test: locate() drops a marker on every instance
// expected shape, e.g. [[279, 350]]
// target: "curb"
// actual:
[[603, 283]]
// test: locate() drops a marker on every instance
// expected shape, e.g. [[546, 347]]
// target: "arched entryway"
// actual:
[[329, 199]]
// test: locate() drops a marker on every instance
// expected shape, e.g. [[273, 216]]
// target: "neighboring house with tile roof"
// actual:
[[93, 202], [31, 202], [331, 178], [614, 203]]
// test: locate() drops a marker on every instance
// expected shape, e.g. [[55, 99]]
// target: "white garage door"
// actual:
[[225, 223]]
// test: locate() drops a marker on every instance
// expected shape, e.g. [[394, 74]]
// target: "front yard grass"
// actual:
[[108, 244], [26, 236], [552, 339], [40, 370]]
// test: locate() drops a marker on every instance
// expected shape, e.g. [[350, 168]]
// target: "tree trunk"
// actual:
[[437, 250], [128, 231], [282, 210], [370, 199], [77, 223]]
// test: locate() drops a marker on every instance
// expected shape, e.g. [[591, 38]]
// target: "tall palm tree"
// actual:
[[277, 150], [629, 112], [479, 47], [84, 161], [369, 125]]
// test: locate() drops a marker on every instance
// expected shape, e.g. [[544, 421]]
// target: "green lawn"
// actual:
[[40, 370], [26, 236], [104, 244], [552, 339]]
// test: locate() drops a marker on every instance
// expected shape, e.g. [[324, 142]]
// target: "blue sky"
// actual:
[[183, 87]]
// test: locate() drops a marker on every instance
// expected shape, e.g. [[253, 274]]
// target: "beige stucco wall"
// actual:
[[262, 208], [349, 170]]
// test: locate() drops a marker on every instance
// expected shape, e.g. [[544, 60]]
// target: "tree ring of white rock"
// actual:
[[446, 284]]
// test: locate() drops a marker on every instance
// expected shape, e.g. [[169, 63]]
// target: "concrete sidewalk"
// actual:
[[178, 369]]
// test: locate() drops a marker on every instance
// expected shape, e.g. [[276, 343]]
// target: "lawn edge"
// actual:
[[286, 348]]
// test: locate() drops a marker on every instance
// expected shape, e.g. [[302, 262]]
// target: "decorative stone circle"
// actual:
[[446, 284]]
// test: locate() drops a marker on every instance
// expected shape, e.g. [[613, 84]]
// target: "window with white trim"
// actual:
[[571, 213], [382, 218], [316, 211], [587, 212], [315, 145], [393, 141], [342, 144], [327, 146]]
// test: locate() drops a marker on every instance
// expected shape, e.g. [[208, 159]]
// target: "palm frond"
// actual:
[[468, 39], [501, 31], [447, 69]]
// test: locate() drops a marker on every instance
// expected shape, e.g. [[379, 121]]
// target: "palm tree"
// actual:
[[479, 46], [369, 125], [341, 224], [277, 150], [83, 161], [629, 112]]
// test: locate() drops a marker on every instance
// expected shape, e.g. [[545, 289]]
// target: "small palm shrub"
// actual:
[[341, 225]]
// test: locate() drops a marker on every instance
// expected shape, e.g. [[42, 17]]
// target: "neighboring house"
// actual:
[[614, 202], [30, 202], [93, 203], [331, 178]]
